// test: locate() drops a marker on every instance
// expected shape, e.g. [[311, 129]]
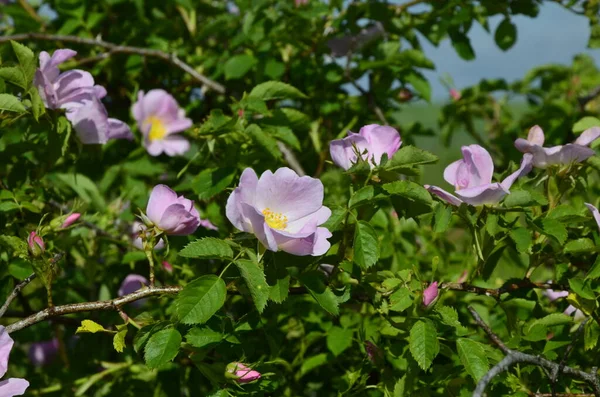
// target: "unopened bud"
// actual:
[[240, 373], [430, 294], [36, 244], [71, 219], [455, 94], [167, 266], [404, 95]]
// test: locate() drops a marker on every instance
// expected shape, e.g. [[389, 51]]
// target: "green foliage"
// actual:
[[200, 299], [162, 347]]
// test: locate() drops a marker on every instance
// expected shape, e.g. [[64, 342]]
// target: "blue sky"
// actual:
[[554, 36]]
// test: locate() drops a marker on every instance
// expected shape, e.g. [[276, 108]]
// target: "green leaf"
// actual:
[[13, 75], [522, 238], [423, 343], [19, 246], [217, 123], [267, 142], [85, 188], [207, 248], [313, 362], [366, 245], [554, 228], [473, 357], [591, 335], [314, 282], [409, 190], [538, 329], [119, 338], [254, 277], [506, 34], [238, 65], [91, 327], [338, 339], [524, 198], [580, 126], [420, 84], [26, 59], [462, 45], [162, 347], [449, 316], [276, 90], [580, 246], [410, 156], [212, 181], [594, 272], [441, 218], [361, 196], [202, 337], [401, 300], [37, 106], [201, 299], [278, 280], [6, 206], [11, 103], [582, 288], [133, 256], [284, 134]]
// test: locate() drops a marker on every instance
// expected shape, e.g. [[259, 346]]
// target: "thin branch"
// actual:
[[568, 350], [15, 292], [402, 7], [496, 292], [115, 49], [515, 357], [291, 159], [110, 304], [367, 94]]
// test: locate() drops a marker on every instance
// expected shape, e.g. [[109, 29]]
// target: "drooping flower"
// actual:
[[159, 118], [76, 92], [374, 139], [241, 373], [595, 213], [575, 152], [136, 231], [132, 283], [472, 178], [42, 353], [430, 293], [71, 219], [12, 386], [173, 215], [283, 210], [36, 244]]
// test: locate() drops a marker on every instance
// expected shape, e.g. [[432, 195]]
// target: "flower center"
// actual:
[[275, 220], [157, 128]]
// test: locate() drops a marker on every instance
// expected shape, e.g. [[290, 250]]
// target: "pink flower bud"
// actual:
[[36, 244], [71, 219], [455, 94], [241, 373], [167, 266], [430, 293]]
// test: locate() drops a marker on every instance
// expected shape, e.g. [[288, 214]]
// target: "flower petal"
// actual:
[[178, 125], [6, 344], [444, 195], [317, 218], [244, 193], [118, 130], [161, 198], [536, 136], [479, 164], [524, 169], [342, 151], [567, 154], [289, 194], [595, 212], [480, 195], [313, 244], [13, 387], [90, 122], [588, 136], [451, 172], [381, 139], [177, 220], [175, 145]]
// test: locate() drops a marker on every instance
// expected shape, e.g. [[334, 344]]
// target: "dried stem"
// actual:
[[15, 292], [116, 49], [515, 357], [111, 304]]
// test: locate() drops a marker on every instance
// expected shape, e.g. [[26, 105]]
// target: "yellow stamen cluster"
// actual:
[[157, 128], [275, 220]]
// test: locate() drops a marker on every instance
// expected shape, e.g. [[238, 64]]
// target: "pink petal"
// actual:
[[595, 213], [342, 151], [160, 199], [482, 195], [6, 344], [444, 195], [588, 136], [175, 145], [381, 139], [118, 130], [524, 169], [13, 387], [178, 221], [536, 136], [479, 164], [244, 193]]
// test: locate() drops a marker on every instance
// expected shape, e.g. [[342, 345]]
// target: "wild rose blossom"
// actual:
[[173, 215], [159, 118], [575, 152], [76, 92], [595, 213], [241, 373], [132, 283], [12, 386], [42, 353], [36, 244], [430, 293], [472, 178], [283, 210], [375, 139]]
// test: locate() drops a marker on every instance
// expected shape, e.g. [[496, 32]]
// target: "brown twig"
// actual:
[[496, 292], [291, 159], [515, 357], [16, 292], [110, 304], [115, 49]]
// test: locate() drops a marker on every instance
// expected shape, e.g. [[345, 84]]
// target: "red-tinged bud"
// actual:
[[430, 294], [455, 94], [36, 244], [167, 266], [71, 219], [240, 373], [404, 95]]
